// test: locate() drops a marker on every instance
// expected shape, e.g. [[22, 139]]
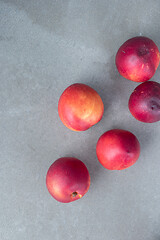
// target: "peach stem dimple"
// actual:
[[143, 51], [74, 194]]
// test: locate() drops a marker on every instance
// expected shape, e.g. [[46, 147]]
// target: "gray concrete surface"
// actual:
[[46, 46]]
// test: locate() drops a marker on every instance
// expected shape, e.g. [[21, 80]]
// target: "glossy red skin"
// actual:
[[137, 59], [144, 102], [80, 107], [66, 176], [117, 149]]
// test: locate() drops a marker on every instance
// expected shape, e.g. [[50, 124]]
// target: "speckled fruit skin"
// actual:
[[117, 149], [144, 102], [80, 107], [67, 179], [138, 59]]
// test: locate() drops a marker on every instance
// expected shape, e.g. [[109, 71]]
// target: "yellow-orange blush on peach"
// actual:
[[80, 107]]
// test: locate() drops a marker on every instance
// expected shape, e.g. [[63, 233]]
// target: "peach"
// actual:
[[80, 107], [137, 59], [117, 149], [67, 179], [144, 102]]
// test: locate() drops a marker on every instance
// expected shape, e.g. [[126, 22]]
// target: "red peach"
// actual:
[[144, 102], [138, 59], [67, 179], [117, 149], [80, 107]]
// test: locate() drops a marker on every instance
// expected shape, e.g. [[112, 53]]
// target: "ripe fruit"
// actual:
[[144, 102], [137, 59], [117, 149], [80, 107], [67, 179]]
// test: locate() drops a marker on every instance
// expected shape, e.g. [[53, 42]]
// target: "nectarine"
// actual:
[[137, 59], [117, 149], [80, 107], [67, 179], [144, 102]]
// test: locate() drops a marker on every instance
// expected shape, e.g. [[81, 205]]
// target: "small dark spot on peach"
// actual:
[[74, 194]]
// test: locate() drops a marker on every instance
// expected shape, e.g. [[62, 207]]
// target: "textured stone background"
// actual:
[[46, 46]]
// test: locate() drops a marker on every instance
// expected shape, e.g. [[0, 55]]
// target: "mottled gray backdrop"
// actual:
[[46, 45]]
